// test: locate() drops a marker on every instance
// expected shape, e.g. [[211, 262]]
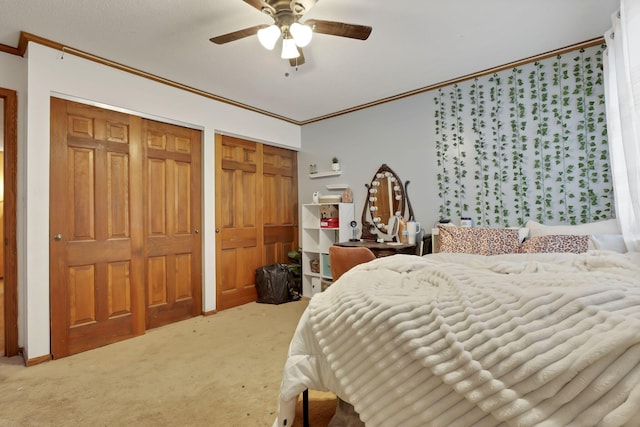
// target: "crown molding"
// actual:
[[582, 45], [25, 38]]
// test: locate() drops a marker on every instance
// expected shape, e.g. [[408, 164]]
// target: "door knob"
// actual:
[[196, 230], [57, 237], [217, 230]]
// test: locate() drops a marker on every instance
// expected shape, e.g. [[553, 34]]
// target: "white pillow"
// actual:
[[523, 234], [608, 242], [608, 226]]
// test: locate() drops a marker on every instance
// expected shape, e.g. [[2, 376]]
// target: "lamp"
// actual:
[[289, 48], [295, 35], [269, 36], [301, 34]]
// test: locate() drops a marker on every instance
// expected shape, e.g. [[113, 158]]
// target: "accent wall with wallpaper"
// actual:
[[524, 143]]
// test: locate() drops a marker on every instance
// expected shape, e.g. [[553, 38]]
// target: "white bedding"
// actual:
[[462, 340]]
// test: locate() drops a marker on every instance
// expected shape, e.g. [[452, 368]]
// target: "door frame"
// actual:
[[10, 118]]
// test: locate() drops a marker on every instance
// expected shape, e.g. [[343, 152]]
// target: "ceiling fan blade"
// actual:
[[360, 32], [296, 62], [236, 35], [258, 4]]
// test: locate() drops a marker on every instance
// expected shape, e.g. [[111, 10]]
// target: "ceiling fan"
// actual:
[[286, 15]]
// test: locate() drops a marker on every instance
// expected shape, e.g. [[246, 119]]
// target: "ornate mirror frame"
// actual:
[[386, 198]]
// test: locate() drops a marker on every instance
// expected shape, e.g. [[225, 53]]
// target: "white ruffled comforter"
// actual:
[[465, 340]]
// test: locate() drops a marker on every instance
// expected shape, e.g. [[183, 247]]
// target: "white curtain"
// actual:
[[622, 92]]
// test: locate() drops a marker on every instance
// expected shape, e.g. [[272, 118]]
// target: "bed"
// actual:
[[458, 339]]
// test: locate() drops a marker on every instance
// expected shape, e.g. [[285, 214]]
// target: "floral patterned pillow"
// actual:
[[555, 243], [477, 240]]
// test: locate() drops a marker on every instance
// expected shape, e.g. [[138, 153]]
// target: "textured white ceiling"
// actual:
[[414, 43]]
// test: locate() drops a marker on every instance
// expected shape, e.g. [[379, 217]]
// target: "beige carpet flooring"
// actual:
[[220, 370]]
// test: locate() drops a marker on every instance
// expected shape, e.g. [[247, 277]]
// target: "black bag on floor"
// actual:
[[274, 283]]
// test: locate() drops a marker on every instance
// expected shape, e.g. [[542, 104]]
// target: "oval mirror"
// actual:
[[386, 202]]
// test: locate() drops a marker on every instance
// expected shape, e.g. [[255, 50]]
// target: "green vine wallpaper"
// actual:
[[526, 143]]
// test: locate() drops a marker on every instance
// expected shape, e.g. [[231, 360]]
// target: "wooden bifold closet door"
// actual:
[[173, 261], [125, 206], [256, 214]]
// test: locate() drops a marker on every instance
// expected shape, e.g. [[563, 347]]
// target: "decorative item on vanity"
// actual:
[[335, 164], [354, 231], [403, 232], [393, 226], [387, 201], [413, 228]]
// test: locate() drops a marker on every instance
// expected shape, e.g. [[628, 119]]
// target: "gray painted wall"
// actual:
[[515, 130], [397, 133]]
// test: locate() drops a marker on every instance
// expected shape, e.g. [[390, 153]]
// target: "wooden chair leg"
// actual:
[[305, 408]]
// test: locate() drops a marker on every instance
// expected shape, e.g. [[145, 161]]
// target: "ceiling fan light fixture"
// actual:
[[289, 49], [269, 36], [301, 34]]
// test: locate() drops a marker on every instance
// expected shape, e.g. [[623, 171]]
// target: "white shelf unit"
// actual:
[[316, 241]]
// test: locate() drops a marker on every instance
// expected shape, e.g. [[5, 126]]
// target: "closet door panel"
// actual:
[[95, 251], [173, 282]]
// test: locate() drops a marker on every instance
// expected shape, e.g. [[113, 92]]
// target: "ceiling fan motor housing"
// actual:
[[298, 7], [286, 12]]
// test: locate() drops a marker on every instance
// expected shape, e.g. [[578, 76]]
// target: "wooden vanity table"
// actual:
[[381, 249], [389, 248]]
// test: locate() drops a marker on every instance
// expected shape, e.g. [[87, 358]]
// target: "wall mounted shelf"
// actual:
[[337, 186], [324, 174]]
